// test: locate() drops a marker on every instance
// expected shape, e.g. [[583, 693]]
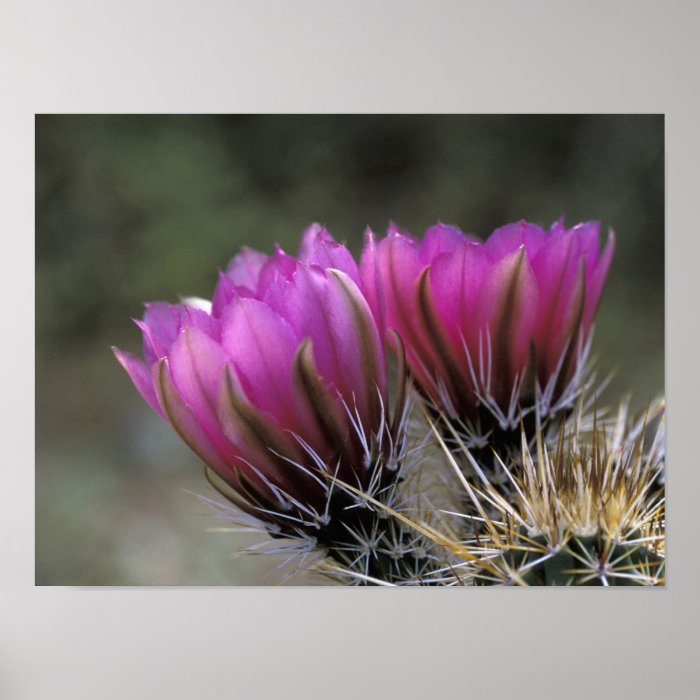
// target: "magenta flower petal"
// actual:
[[312, 289], [456, 278], [507, 311], [312, 237], [560, 270], [555, 266], [244, 269], [280, 265], [140, 376], [399, 266], [321, 402], [197, 365], [264, 445], [160, 326], [192, 317], [356, 337], [596, 281], [389, 271], [319, 248], [441, 238], [261, 346], [243, 276], [587, 236], [183, 419], [447, 360], [224, 293], [509, 238], [346, 346], [371, 278]]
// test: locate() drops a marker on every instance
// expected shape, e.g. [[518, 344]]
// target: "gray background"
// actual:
[[455, 57]]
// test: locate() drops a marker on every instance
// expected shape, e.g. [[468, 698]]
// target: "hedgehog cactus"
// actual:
[[494, 471]]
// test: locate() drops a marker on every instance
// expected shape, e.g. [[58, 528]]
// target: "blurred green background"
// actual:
[[135, 208]]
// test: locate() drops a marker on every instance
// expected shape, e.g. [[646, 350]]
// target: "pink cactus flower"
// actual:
[[281, 377], [490, 326]]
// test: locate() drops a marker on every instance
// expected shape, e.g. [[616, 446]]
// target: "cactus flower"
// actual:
[[281, 377], [490, 325]]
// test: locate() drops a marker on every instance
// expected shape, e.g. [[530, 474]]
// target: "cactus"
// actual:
[[496, 468], [586, 508]]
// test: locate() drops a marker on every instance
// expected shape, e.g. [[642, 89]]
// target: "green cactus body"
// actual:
[[589, 560]]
